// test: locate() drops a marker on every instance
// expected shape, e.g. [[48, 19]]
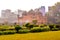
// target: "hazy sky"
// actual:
[[25, 4]]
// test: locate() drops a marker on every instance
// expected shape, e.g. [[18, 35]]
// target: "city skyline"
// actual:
[[39, 14], [25, 4]]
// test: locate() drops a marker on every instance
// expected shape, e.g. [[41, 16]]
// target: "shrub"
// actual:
[[45, 29], [35, 29], [8, 32], [11, 32], [24, 28], [2, 29], [23, 31], [1, 32], [5, 32], [29, 26], [36, 25], [17, 28], [57, 26], [43, 25], [55, 29], [38, 29], [51, 26]]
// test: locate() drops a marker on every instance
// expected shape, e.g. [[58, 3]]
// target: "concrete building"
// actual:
[[5, 13], [42, 10], [8, 16], [22, 17], [54, 14]]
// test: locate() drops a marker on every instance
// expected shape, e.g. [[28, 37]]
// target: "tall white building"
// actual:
[[5, 13], [8, 16]]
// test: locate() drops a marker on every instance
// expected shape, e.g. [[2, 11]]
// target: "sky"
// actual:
[[25, 4]]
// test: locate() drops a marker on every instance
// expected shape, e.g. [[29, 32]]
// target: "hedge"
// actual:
[[7, 32], [39, 29], [23, 31]]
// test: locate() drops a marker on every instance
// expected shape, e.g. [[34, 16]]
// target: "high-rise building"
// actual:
[[42, 10], [5, 13], [8, 16]]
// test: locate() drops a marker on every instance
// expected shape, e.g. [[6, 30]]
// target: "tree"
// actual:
[[34, 21], [28, 25], [31, 26]]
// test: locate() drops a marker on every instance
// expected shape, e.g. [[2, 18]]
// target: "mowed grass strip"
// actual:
[[51, 35]]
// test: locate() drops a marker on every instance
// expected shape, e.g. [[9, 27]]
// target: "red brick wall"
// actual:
[[33, 16]]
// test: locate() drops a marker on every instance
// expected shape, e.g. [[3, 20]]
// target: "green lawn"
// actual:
[[52, 35]]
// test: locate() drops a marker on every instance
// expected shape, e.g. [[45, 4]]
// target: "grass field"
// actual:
[[52, 35]]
